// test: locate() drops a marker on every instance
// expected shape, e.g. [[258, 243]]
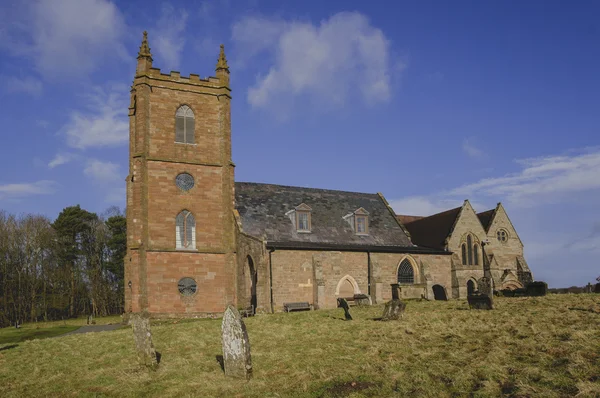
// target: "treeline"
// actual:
[[66, 268]]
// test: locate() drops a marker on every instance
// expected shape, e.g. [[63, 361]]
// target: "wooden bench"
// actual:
[[304, 306], [248, 311]]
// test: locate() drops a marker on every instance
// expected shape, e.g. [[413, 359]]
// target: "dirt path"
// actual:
[[95, 328]]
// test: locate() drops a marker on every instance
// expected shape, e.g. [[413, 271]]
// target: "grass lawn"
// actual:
[[42, 330], [526, 347]]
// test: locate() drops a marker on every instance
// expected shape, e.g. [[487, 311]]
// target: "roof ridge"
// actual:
[[305, 188]]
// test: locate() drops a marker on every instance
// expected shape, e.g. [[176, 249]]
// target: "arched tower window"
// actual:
[[184, 125], [185, 230], [406, 274], [464, 254], [476, 253], [470, 249]]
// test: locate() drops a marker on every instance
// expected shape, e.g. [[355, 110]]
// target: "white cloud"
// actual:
[[105, 122], [22, 190], [168, 40], [29, 85], [102, 171], [326, 62], [552, 179], [61, 158], [471, 150], [419, 206], [107, 175], [64, 38]]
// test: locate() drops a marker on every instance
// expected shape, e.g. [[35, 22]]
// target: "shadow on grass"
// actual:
[[8, 347], [221, 362]]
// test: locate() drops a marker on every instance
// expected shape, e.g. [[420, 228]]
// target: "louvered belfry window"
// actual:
[[406, 273], [184, 125], [185, 230]]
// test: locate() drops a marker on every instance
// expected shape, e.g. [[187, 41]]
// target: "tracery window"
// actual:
[[184, 125], [185, 230], [406, 274], [464, 254], [476, 254], [502, 235]]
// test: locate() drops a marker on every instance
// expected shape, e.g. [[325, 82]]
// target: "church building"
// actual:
[[198, 241]]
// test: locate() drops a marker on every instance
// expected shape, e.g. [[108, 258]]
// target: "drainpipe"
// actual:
[[369, 273], [271, 278]]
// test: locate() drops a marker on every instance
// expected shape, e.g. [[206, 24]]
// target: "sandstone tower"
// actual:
[[180, 228]]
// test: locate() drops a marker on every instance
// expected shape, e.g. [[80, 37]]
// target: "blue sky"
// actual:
[[429, 103]]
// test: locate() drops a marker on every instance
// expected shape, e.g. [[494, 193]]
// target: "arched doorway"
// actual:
[[470, 287], [439, 293], [347, 287], [253, 281]]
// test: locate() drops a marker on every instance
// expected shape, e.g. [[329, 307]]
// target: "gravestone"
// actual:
[[597, 288], [485, 286], [537, 288], [479, 301], [342, 303], [236, 345], [394, 309], [140, 323], [362, 299]]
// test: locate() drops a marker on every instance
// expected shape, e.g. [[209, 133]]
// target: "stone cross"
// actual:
[[140, 323], [342, 303], [236, 345]]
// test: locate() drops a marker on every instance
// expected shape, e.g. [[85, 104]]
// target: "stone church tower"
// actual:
[[180, 193]]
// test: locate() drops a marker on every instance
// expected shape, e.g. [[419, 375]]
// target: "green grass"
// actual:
[[526, 347], [42, 330]]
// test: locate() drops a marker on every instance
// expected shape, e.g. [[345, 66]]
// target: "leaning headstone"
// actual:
[[394, 309], [537, 288], [479, 301], [140, 324], [342, 303], [236, 345]]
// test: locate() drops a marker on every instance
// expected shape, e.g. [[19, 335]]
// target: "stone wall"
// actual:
[[319, 277]]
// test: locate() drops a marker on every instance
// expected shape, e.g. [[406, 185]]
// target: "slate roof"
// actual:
[[432, 231], [405, 219], [263, 208], [486, 218]]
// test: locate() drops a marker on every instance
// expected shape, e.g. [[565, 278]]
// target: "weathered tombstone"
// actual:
[[597, 288], [362, 299], [537, 288], [394, 308], [479, 301], [236, 345], [342, 303], [140, 324], [485, 286]]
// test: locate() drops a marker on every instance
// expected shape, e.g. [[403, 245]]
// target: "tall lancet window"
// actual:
[[184, 125], [185, 230]]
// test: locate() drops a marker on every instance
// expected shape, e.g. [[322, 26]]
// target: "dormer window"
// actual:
[[361, 225], [359, 221], [303, 221], [300, 217]]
